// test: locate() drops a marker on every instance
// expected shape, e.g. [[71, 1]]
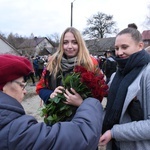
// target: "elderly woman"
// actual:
[[21, 131]]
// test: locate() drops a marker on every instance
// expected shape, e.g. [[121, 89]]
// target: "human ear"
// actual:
[[141, 45]]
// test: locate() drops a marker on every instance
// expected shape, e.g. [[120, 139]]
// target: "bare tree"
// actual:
[[54, 38], [3, 35], [15, 40], [100, 26]]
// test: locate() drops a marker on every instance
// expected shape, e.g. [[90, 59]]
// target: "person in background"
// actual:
[[20, 131], [72, 51], [36, 66], [127, 118], [148, 49], [40, 66], [101, 60], [109, 65], [31, 74]]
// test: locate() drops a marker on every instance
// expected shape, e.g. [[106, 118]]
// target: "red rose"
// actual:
[[87, 77], [79, 69]]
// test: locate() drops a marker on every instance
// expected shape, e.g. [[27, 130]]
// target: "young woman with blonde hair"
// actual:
[[72, 51]]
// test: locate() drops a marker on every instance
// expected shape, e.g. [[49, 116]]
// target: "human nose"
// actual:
[[24, 91], [119, 52], [70, 45]]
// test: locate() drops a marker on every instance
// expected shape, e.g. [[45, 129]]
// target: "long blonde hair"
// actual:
[[83, 55]]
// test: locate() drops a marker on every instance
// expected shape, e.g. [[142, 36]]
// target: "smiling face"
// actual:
[[70, 45], [125, 46]]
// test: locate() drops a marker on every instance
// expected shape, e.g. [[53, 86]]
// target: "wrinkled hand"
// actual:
[[73, 99], [59, 89], [105, 138]]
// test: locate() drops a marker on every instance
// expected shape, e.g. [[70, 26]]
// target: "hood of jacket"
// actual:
[[10, 109]]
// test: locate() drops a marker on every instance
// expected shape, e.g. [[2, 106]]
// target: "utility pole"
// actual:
[[72, 13]]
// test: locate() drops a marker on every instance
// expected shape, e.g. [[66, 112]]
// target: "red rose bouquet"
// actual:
[[85, 83]]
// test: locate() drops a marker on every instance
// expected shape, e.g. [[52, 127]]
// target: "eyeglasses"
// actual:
[[22, 85]]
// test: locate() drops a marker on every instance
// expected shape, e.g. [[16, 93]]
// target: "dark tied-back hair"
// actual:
[[135, 34], [132, 25]]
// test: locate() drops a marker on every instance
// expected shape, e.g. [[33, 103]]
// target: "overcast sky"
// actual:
[[46, 17]]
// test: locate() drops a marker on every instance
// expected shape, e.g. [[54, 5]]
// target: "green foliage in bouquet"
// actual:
[[84, 83]]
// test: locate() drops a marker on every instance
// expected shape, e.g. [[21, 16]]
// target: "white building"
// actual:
[[6, 48]]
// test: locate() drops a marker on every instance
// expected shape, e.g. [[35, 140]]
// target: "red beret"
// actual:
[[13, 67]]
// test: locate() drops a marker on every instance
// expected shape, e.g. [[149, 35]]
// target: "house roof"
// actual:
[[5, 41], [28, 43], [146, 35], [31, 43], [47, 50], [100, 45]]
